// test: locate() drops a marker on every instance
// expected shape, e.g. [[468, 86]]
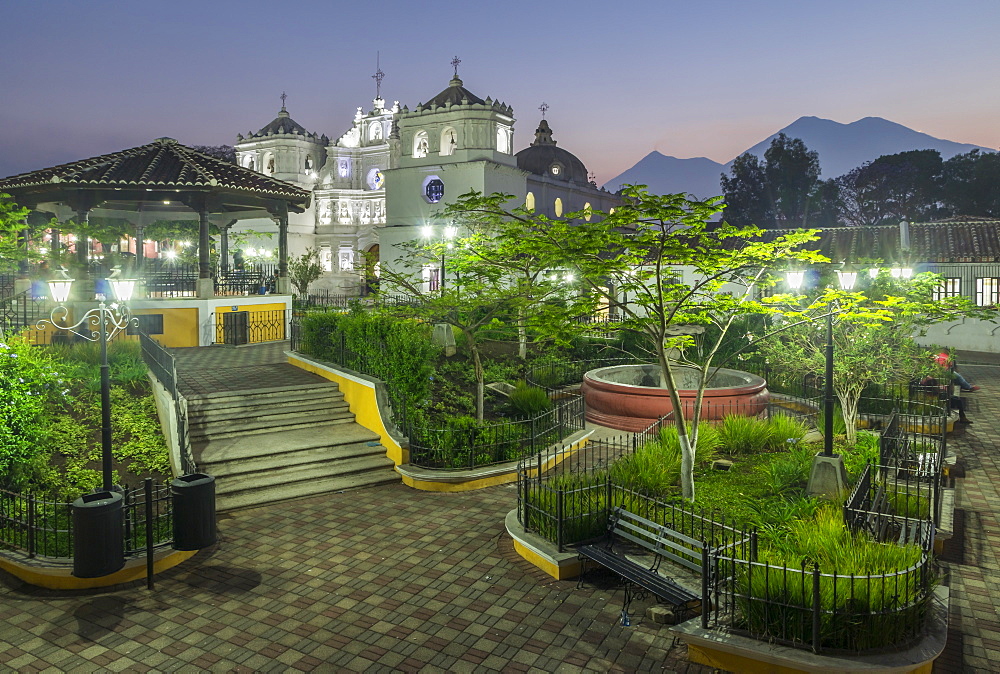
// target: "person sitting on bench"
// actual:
[[947, 361]]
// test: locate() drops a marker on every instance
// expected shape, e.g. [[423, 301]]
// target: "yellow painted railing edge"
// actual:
[[61, 578], [362, 398], [541, 553]]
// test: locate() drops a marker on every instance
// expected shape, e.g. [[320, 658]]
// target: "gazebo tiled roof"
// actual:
[[163, 164]]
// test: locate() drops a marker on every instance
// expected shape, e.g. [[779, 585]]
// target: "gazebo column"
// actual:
[[83, 243], [55, 247], [206, 284], [224, 245], [140, 245], [284, 287]]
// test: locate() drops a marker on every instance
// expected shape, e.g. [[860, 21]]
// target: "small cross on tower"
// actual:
[[543, 107], [454, 62], [283, 97], [378, 76]]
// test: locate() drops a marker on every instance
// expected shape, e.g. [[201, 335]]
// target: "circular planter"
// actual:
[[629, 397]]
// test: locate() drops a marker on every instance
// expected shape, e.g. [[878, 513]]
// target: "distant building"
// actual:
[[381, 182]]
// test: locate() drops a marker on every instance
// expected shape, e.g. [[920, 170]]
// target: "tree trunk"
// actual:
[[477, 366], [687, 446], [522, 335], [849, 409]]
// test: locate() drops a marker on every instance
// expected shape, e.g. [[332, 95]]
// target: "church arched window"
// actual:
[[529, 202], [309, 162], [375, 131], [503, 140], [559, 207], [420, 145], [449, 141], [248, 162], [269, 164]]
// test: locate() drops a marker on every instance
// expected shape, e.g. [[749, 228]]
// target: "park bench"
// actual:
[[884, 526], [626, 528]]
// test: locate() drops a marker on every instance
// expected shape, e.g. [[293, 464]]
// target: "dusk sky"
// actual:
[[708, 78]]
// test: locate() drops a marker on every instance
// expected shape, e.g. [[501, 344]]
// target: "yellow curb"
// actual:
[[61, 578]]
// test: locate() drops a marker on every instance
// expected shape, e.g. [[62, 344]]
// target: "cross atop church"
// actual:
[[283, 97], [543, 107], [379, 75], [454, 62]]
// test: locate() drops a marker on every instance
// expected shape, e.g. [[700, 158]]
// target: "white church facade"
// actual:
[[381, 183]]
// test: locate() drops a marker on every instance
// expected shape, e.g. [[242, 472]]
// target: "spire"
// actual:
[[283, 112], [455, 81], [543, 107], [378, 76]]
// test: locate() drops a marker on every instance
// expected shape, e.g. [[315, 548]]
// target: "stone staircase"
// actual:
[[271, 444]]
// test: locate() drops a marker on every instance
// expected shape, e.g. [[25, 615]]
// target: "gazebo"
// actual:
[[163, 180]]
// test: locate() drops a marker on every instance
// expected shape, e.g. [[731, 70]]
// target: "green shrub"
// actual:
[[529, 401], [865, 451], [785, 430], [740, 434]]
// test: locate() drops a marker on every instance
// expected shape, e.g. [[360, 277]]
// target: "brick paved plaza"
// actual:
[[392, 579]]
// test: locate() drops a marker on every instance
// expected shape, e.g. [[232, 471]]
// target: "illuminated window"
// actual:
[[449, 141], [949, 287], [987, 292], [587, 211], [559, 207], [432, 278], [529, 201], [420, 147], [345, 259]]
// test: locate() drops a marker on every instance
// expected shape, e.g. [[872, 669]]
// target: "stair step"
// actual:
[[267, 398], [302, 473], [255, 497], [315, 436], [265, 392], [273, 411], [233, 429], [334, 459]]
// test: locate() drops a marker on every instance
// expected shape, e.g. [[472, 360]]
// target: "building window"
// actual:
[[503, 139], [432, 278], [375, 131], [449, 141], [529, 202], [587, 211], [376, 180], [325, 258], [434, 190], [269, 164], [420, 146], [151, 324], [345, 259], [987, 292], [949, 287], [559, 207], [309, 163]]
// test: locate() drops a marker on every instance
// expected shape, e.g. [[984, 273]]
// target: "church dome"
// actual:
[[455, 94], [543, 158], [283, 124]]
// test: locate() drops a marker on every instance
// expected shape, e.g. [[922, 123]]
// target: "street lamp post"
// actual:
[[100, 324], [828, 475]]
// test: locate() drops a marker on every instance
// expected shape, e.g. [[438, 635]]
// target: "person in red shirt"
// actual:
[[945, 360]]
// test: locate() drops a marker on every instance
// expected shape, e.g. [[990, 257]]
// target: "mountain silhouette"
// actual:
[[841, 148]]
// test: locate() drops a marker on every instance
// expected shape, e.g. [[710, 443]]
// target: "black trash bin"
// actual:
[[98, 534], [194, 511]]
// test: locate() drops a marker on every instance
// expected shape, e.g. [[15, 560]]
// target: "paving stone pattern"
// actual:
[[393, 579]]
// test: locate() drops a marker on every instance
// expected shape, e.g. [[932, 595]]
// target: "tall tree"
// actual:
[[13, 226], [780, 192], [901, 186], [642, 249], [971, 184]]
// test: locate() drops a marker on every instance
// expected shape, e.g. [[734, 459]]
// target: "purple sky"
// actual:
[[708, 78]]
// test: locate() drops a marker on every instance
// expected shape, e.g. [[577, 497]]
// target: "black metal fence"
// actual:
[[163, 366], [38, 527]]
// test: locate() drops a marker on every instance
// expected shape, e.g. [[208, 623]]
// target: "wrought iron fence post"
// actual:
[[31, 525], [560, 495], [816, 609], [147, 486], [705, 600], [532, 422]]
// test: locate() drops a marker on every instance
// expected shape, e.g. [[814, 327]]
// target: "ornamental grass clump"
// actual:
[[529, 401], [870, 594], [656, 466], [785, 431], [740, 434]]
